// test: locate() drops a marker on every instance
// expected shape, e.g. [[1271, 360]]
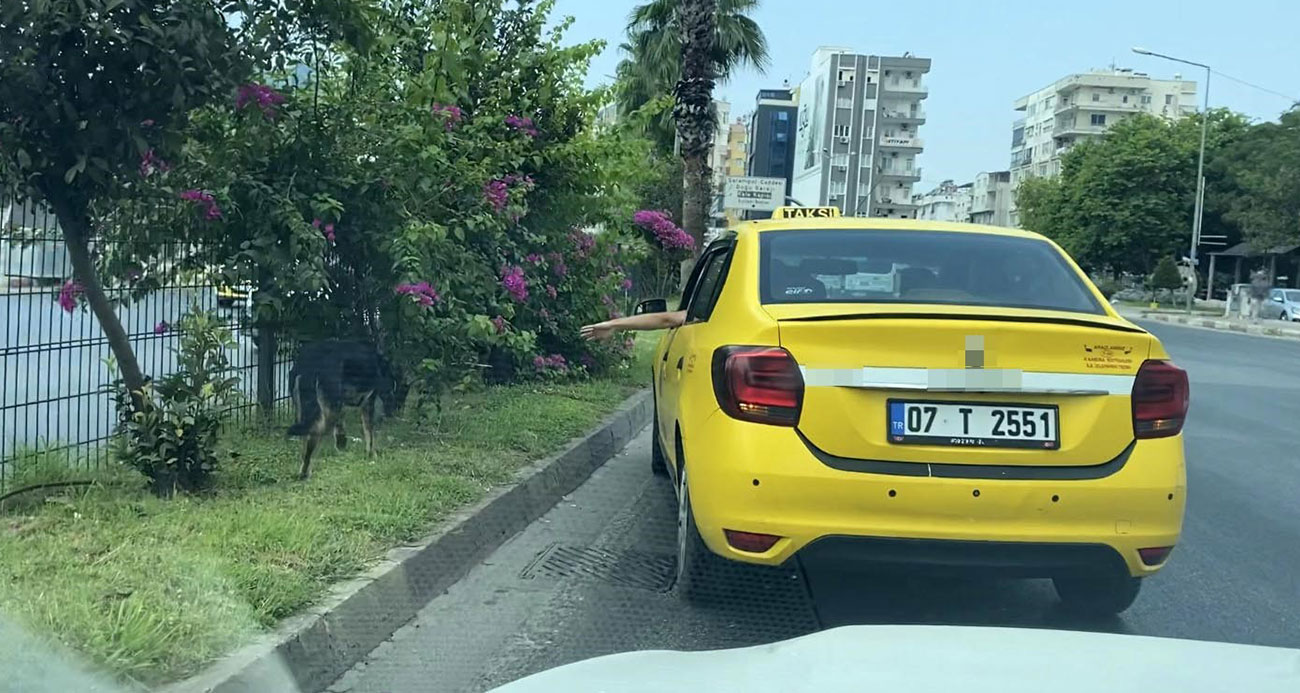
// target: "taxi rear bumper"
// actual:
[[764, 479]]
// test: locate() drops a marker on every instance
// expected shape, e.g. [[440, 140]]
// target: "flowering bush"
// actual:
[[670, 236]]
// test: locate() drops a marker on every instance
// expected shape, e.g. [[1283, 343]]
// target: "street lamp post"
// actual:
[[1200, 162]]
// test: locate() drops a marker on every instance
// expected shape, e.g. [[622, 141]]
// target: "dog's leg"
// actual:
[[368, 423], [340, 435], [325, 420]]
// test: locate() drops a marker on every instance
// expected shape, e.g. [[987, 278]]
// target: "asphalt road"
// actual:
[[592, 576]]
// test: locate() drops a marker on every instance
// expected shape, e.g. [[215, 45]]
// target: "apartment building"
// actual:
[[990, 199], [947, 202], [737, 148], [772, 135], [858, 132], [721, 146], [1082, 106]]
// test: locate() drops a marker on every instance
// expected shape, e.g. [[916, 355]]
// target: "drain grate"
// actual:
[[627, 568]]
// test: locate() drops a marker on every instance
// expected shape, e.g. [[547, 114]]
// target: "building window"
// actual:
[[1169, 99], [1032, 107], [1096, 96], [782, 116], [866, 132], [1146, 98], [1098, 118], [1124, 98]]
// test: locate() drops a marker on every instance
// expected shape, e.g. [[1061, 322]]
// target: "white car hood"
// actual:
[[911, 659]]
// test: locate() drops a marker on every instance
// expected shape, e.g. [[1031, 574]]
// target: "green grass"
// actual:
[[151, 590]]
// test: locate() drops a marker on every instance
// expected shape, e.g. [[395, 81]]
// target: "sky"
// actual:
[[988, 53]]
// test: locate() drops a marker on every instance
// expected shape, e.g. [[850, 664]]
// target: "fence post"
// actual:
[[267, 349]]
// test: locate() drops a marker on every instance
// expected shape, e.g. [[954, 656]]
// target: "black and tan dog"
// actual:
[[328, 376]]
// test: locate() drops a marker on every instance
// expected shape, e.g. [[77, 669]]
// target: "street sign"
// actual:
[[750, 192]]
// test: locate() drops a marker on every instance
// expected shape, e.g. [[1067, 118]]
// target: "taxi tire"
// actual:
[[700, 572], [658, 463], [1097, 595]]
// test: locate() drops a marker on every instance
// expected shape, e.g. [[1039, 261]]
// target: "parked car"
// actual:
[[1282, 304]]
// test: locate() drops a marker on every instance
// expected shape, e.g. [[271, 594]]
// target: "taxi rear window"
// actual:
[[911, 266]]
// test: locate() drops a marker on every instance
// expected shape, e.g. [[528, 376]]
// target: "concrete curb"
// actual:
[[309, 651], [1259, 329]]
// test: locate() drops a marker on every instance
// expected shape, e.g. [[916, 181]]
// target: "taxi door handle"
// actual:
[[680, 359]]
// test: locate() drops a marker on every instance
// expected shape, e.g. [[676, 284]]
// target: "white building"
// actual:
[[857, 139], [721, 148], [1083, 106], [948, 202], [991, 198]]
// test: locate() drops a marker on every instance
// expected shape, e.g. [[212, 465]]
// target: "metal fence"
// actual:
[[54, 364]]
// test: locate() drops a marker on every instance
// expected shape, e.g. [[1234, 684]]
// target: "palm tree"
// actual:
[[685, 46]]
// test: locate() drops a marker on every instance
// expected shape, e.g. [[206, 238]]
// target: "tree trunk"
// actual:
[[693, 111], [76, 235]]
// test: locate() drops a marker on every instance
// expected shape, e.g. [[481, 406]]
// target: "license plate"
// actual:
[[912, 422]]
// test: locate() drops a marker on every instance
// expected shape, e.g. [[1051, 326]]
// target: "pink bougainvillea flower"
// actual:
[[512, 279], [560, 269], [69, 294], [521, 124], [533, 259], [669, 235], [582, 241], [162, 327], [150, 164], [626, 284], [451, 115], [329, 232], [497, 194], [205, 200], [605, 299], [315, 223], [554, 362], [147, 123], [499, 323], [550, 291], [423, 294], [265, 98]]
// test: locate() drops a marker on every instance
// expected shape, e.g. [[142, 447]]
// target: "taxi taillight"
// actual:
[[758, 384], [1160, 400]]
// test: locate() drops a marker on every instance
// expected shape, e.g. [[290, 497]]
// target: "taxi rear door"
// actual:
[[680, 359]]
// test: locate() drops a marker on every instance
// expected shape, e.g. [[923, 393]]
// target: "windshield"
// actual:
[[336, 340], [927, 267]]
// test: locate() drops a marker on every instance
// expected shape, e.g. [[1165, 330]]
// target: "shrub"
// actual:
[[169, 432], [1166, 275]]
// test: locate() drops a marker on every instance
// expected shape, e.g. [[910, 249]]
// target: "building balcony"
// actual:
[[1076, 129], [897, 142], [908, 174], [917, 90], [903, 116]]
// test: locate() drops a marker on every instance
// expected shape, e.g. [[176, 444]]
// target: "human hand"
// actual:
[[597, 331]]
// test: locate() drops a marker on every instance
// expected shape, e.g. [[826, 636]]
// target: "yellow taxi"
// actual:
[[916, 394]]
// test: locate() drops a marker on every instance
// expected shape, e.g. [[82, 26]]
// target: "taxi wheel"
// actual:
[[699, 570], [1097, 595], [658, 463]]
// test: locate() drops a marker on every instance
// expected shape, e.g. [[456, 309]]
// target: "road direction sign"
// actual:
[[750, 192]]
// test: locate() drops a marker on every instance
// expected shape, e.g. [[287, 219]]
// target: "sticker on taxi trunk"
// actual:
[[1105, 357]]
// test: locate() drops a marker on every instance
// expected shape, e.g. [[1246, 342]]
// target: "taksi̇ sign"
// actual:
[[750, 192]]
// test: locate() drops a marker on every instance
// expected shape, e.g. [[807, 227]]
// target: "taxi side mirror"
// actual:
[[651, 305]]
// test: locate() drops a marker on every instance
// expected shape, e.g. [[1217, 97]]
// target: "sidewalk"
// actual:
[[1268, 328]]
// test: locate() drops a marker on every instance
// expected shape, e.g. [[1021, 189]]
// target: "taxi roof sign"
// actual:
[[805, 212]]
